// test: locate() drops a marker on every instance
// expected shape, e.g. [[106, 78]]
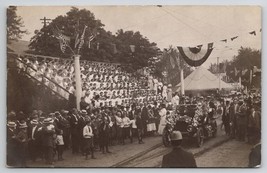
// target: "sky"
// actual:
[[170, 25]]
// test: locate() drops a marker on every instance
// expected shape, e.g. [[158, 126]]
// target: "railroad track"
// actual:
[[153, 155]]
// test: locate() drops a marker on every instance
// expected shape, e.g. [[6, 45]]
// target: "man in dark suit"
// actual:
[[178, 158], [74, 131], [81, 124], [11, 143], [33, 143], [48, 140], [144, 117]]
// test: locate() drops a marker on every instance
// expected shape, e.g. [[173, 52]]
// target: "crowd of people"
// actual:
[[83, 131], [116, 108], [106, 81], [92, 129]]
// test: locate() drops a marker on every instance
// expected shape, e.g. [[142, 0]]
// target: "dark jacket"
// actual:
[[104, 134], [48, 137], [144, 115], [139, 123], [179, 158], [74, 124]]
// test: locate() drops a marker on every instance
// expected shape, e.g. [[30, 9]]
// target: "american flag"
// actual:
[[63, 39], [91, 38], [82, 39]]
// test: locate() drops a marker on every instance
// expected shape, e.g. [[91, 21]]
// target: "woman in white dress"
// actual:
[[162, 122], [164, 92]]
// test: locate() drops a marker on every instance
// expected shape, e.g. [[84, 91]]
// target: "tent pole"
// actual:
[[182, 81]]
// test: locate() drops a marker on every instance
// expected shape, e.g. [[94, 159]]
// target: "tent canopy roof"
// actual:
[[202, 79]]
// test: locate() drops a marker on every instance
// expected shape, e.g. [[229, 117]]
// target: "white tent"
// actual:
[[202, 79]]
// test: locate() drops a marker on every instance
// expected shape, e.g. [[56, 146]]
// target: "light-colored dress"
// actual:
[[162, 122], [169, 94], [164, 91]]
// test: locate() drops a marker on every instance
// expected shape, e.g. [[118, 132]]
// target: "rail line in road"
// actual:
[[152, 157]]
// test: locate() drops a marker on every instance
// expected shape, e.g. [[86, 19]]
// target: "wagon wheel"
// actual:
[[214, 133], [200, 136], [166, 137]]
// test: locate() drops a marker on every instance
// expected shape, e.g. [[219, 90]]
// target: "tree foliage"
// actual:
[[105, 46], [247, 58], [171, 62], [14, 24], [241, 64]]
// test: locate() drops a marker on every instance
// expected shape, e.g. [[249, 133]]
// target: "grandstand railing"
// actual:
[[64, 95]]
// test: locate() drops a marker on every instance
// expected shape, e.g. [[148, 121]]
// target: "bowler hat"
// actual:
[[34, 122], [23, 125], [48, 121], [83, 112]]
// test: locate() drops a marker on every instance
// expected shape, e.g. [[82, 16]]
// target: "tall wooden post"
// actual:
[[182, 80], [78, 80]]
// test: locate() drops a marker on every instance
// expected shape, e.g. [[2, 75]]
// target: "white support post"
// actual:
[[78, 80]]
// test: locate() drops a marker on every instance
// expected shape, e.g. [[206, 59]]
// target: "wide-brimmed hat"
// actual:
[[23, 125], [51, 114], [34, 122], [48, 121], [83, 112], [11, 124], [176, 135]]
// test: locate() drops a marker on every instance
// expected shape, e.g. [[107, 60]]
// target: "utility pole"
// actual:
[[45, 21], [218, 73]]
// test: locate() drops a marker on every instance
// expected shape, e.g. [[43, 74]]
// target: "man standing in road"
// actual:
[[178, 158]]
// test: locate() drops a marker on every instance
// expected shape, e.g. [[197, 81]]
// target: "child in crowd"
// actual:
[[60, 145]]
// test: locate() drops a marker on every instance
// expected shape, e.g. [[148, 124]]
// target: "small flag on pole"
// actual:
[[91, 38], [233, 38], [82, 39], [252, 32], [63, 39]]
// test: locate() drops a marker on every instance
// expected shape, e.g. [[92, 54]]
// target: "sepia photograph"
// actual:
[[151, 86]]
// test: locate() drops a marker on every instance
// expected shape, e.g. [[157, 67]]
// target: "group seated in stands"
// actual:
[[106, 80]]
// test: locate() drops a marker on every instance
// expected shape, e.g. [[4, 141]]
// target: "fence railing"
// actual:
[[41, 78]]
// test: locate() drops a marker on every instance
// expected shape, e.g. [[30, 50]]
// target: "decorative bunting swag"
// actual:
[[195, 56]]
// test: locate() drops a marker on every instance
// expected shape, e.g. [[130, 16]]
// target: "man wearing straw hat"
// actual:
[[33, 143], [48, 140], [22, 143], [11, 143], [178, 158]]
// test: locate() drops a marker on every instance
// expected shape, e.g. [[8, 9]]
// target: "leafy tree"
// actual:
[[171, 62], [105, 46], [14, 24], [142, 50], [247, 58], [241, 64], [44, 41]]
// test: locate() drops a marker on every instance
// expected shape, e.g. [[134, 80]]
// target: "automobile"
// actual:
[[193, 122]]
